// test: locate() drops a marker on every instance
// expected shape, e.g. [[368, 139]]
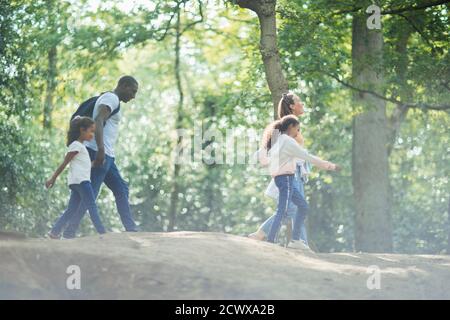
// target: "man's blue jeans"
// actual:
[[110, 175], [299, 227], [288, 191], [82, 195]]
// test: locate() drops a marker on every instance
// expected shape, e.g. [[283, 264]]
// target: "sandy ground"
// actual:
[[193, 265]]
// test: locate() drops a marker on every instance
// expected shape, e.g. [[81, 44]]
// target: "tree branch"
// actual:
[[418, 105], [248, 4], [397, 10], [167, 28], [424, 37], [415, 8], [190, 25], [355, 9]]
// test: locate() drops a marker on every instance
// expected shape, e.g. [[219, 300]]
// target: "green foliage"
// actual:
[[224, 84], [25, 163]]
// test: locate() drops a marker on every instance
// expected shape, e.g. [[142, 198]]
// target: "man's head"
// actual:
[[127, 88]]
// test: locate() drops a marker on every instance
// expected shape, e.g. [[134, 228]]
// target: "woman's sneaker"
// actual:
[[298, 245], [258, 235]]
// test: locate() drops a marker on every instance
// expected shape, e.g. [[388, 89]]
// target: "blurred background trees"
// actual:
[[375, 99]]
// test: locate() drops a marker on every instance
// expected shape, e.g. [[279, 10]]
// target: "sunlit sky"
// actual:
[[148, 5], [126, 6]]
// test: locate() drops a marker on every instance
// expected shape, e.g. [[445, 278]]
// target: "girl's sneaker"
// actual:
[[53, 236]]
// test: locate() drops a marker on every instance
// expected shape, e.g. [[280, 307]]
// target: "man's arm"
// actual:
[[103, 114]]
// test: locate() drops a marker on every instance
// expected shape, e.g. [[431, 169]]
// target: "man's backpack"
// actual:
[[86, 109]]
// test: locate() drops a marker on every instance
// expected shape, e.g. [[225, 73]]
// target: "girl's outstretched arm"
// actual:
[[69, 156], [295, 150]]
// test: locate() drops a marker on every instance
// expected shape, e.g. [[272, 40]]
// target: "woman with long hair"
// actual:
[[290, 104]]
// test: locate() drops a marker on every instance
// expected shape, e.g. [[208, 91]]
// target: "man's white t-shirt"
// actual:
[[111, 128], [80, 166]]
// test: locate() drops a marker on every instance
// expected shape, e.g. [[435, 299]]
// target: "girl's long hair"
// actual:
[[76, 125], [275, 128], [284, 106]]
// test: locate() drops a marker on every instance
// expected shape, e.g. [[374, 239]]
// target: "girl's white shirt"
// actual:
[[282, 158], [80, 166]]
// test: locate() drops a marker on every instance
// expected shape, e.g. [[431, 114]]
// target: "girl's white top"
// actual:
[[284, 154], [80, 166]]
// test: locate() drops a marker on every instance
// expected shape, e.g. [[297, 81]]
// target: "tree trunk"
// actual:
[[448, 230], [51, 87], [51, 68], [405, 91], [212, 180], [179, 117], [370, 177], [265, 9]]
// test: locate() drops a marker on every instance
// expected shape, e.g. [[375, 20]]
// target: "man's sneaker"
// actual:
[[298, 245], [53, 236]]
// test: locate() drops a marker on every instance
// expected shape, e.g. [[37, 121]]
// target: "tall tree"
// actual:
[[370, 176], [448, 230], [56, 18], [404, 90], [52, 56], [179, 30], [178, 122], [265, 10]]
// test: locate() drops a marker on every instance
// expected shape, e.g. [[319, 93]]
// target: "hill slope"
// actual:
[[192, 265]]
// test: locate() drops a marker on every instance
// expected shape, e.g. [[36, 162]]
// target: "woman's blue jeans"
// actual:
[[289, 192], [82, 195]]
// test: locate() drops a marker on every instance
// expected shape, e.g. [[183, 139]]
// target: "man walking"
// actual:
[[107, 116]]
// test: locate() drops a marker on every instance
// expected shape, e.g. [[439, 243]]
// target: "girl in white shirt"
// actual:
[[79, 178], [283, 154]]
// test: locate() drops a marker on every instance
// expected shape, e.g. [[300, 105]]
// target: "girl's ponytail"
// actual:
[[268, 135], [276, 128], [76, 125]]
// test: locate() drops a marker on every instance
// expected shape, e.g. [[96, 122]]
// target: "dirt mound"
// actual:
[[193, 265], [10, 235]]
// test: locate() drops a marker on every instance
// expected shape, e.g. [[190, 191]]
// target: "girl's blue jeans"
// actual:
[[289, 192], [82, 195], [109, 174], [299, 229]]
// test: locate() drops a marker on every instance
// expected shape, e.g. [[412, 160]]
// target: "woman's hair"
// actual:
[[278, 126], [284, 106], [76, 125]]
